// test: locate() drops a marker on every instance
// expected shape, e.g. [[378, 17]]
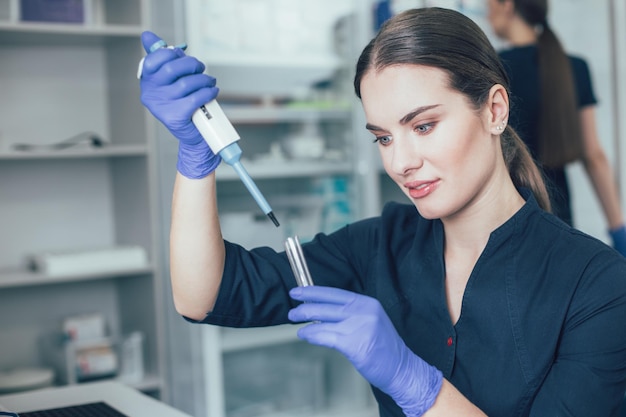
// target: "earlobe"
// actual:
[[498, 109]]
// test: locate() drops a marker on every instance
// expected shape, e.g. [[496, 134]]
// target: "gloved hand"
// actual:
[[173, 87], [358, 327], [618, 237]]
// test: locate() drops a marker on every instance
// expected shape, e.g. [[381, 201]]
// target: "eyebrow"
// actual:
[[407, 118]]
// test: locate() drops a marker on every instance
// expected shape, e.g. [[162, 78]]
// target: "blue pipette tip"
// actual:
[[273, 218], [162, 44], [157, 45]]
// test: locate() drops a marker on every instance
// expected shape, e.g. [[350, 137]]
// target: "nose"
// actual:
[[405, 156]]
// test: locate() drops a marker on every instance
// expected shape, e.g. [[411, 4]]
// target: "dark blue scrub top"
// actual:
[[541, 328]]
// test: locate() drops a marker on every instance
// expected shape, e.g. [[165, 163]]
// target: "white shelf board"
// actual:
[[53, 28], [250, 338], [78, 152], [23, 278], [285, 169], [281, 114], [287, 60]]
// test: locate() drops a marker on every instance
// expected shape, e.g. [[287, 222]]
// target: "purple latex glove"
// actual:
[[173, 87], [618, 237], [358, 327]]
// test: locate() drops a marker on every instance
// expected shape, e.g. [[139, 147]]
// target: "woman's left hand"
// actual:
[[358, 327]]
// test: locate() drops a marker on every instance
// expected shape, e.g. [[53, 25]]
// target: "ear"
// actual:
[[497, 109]]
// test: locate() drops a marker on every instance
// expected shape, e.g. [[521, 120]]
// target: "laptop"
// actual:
[[97, 399], [94, 409]]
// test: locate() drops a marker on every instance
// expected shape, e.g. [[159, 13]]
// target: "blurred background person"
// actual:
[[554, 102]]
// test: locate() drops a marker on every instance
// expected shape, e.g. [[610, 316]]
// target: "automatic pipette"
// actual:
[[222, 138]]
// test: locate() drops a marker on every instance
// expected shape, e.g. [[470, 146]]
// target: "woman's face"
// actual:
[[497, 14], [434, 144]]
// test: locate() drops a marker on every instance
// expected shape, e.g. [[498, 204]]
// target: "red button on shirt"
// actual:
[[449, 341]]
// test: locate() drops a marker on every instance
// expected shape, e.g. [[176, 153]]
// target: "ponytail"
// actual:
[[522, 168], [560, 136]]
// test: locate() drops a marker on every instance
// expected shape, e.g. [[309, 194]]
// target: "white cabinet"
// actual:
[[269, 372], [58, 80]]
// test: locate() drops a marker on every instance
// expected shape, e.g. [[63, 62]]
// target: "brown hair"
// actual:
[[560, 136], [450, 41]]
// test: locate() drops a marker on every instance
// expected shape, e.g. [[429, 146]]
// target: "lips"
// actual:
[[421, 189]]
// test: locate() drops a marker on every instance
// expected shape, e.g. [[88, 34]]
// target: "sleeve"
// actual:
[[255, 286], [588, 376], [584, 85]]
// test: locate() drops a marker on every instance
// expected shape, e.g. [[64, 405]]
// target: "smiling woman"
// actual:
[[441, 304], [437, 141]]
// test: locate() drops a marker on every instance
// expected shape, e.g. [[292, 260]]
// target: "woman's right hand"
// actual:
[[173, 87]]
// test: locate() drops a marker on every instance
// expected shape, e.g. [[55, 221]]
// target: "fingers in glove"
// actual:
[[351, 338], [182, 87], [321, 294], [319, 312], [321, 334], [165, 66], [188, 105], [148, 39]]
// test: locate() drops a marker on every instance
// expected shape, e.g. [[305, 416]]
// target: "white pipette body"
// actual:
[[221, 136]]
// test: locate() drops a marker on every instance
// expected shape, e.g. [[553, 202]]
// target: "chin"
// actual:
[[429, 213]]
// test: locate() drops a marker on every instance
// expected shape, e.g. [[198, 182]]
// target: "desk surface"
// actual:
[[125, 399]]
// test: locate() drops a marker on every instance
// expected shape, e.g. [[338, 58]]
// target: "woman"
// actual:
[[548, 86], [473, 300]]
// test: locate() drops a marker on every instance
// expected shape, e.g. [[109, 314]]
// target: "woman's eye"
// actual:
[[425, 128], [383, 140]]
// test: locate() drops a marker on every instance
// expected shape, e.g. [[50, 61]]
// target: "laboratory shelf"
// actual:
[[78, 77], [78, 152], [286, 169], [26, 33], [259, 59], [25, 278], [251, 338], [247, 114]]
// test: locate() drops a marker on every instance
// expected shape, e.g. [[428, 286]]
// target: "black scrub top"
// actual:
[[522, 66], [541, 327]]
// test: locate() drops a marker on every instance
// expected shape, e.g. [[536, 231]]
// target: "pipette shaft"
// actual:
[[222, 138]]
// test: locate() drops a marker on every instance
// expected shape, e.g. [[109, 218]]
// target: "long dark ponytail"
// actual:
[[560, 135]]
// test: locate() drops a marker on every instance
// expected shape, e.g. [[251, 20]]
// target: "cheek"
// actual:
[[386, 157], [468, 154]]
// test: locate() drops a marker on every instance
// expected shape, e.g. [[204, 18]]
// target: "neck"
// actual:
[[521, 33], [469, 231]]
